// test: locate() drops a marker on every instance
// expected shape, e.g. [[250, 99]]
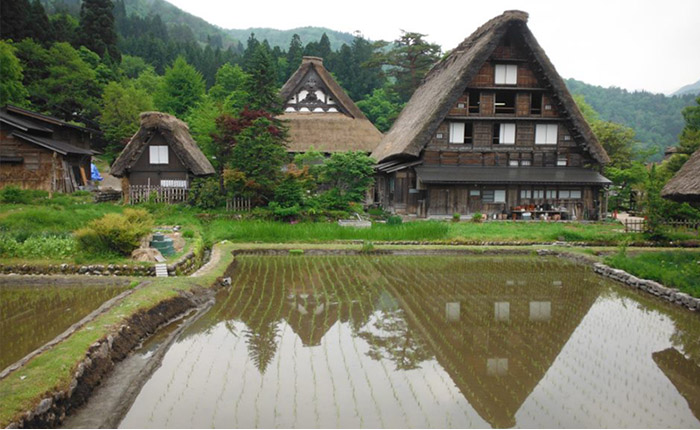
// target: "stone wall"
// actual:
[[186, 264]]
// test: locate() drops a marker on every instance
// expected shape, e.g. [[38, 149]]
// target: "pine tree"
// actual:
[[14, 18], [97, 30], [294, 54], [262, 83], [181, 89]]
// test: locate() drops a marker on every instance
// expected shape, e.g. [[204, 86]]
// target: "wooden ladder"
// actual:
[[162, 270]]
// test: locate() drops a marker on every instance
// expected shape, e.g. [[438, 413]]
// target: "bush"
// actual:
[[477, 217], [37, 246], [13, 194], [206, 194], [115, 232], [456, 217]]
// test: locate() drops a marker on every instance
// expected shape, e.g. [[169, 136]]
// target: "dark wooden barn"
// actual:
[[160, 160], [320, 115], [42, 152], [492, 129]]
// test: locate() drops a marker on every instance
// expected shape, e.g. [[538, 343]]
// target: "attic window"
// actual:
[[546, 134], [505, 102], [158, 154], [506, 74], [474, 101], [504, 134]]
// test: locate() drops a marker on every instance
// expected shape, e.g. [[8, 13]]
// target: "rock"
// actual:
[[44, 406]]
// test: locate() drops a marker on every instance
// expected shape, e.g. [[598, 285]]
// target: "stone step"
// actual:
[[162, 270]]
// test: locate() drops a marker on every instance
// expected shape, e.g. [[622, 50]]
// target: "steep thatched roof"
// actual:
[[176, 134], [446, 82], [685, 184], [345, 130], [329, 132]]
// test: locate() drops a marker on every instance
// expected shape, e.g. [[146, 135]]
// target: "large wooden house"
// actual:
[[161, 159], [320, 115], [41, 152], [492, 129]]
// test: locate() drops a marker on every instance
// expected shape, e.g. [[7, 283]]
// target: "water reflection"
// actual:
[[425, 342]]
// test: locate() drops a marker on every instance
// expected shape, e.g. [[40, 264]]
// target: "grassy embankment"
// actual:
[[52, 370], [677, 269]]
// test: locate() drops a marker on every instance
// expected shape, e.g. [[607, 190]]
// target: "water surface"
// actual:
[[426, 341]]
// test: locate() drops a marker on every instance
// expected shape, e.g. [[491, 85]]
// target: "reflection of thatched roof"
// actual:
[[447, 81], [176, 134], [347, 130], [685, 184], [683, 373]]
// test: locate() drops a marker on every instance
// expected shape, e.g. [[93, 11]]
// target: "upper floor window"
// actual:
[[506, 74], [562, 160], [504, 134], [546, 134], [457, 132], [158, 154]]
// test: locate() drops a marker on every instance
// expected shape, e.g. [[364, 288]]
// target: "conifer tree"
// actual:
[[97, 29], [262, 83]]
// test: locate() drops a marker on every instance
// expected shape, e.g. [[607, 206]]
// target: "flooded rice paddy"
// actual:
[[32, 315], [422, 341]]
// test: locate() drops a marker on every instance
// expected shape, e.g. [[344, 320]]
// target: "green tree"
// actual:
[[382, 108], [229, 87], [11, 88], [97, 29], [294, 54], [689, 140], [71, 88], [122, 103], [409, 60], [261, 85], [14, 19], [619, 142], [182, 87], [64, 28], [348, 176]]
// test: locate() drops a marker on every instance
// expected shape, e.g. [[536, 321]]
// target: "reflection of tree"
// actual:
[[262, 344], [389, 337]]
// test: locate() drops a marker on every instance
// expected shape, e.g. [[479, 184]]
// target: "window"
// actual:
[[456, 132], [562, 161], [487, 196], [506, 74], [546, 134], [452, 311], [504, 134], [525, 194], [173, 183], [575, 194], [474, 101], [158, 154], [499, 196], [564, 194], [525, 163], [513, 163], [551, 194], [505, 102], [535, 104], [502, 311], [538, 194], [496, 366], [474, 193], [469, 133], [540, 311]]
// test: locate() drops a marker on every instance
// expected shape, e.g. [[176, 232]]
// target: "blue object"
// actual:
[[94, 173]]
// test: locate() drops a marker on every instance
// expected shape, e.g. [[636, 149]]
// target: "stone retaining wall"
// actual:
[[186, 264]]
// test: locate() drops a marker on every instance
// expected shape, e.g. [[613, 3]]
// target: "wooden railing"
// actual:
[[145, 193], [238, 204], [641, 225]]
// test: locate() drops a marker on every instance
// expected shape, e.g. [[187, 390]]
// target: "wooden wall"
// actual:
[[145, 173]]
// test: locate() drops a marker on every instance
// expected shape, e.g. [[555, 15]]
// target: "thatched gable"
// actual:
[[176, 134], [447, 81], [685, 184], [337, 124]]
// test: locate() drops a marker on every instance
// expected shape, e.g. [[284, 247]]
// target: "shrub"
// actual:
[[115, 232], [394, 220], [477, 217], [456, 217], [206, 194], [13, 194]]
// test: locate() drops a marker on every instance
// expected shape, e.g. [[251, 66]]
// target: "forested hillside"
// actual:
[[281, 38], [656, 118]]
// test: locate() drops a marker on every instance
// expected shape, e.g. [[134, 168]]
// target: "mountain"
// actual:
[[656, 118], [688, 89], [282, 38]]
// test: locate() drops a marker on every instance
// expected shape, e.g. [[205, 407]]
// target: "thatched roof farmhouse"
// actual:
[[685, 184], [320, 114]]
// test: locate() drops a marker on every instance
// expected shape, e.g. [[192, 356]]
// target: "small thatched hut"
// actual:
[[685, 184], [162, 154], [320, 114]]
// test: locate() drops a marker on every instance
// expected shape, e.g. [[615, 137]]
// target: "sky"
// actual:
[[632, 44]]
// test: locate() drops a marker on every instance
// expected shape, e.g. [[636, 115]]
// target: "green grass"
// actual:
[[678, 269], [539, 232]]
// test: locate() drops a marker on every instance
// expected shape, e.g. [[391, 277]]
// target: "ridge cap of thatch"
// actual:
[[447, 80], [177, 135]]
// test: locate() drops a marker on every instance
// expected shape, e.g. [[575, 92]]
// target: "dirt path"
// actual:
[[213, 260]]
